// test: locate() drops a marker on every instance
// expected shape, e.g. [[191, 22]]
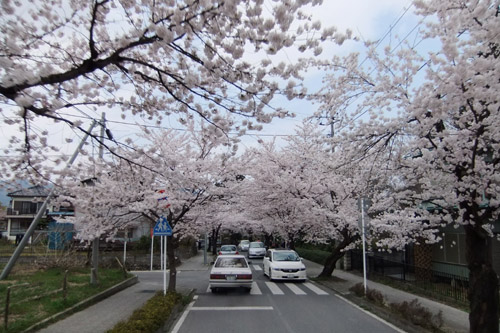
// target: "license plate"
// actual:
[[230, 277]]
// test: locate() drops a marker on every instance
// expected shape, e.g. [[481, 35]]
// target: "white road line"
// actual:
[[296, 290], [274, 288], [208, 289], [255, 289], [257, 267], [231, 308], [397, 329], [183, 317], [315, 289]]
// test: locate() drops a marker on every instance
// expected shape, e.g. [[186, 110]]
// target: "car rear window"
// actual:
[[228, 248], [231, 262]]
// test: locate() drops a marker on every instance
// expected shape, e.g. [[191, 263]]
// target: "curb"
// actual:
[[381, 312], [175, 315], [85, 303]]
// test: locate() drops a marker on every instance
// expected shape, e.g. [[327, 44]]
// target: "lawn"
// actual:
[[38, 294]]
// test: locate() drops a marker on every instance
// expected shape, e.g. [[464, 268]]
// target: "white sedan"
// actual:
[[230, 271], [284, 265]]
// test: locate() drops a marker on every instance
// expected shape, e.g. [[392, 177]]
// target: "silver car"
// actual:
[[230, 271], [243, 245], [256, 250], [228, 249]]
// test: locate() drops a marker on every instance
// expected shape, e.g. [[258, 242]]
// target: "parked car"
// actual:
[[228, 249], [284, 265], [243, 245], [230, 271], [256, 250]]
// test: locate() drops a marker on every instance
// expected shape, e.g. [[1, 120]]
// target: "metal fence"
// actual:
[[431, 281]]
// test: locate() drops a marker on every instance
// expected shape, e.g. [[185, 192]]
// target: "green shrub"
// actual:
[[144, 244], [372, 295], [375, 296], [152, 316], [418, 315], [315, 255], [358, 289]]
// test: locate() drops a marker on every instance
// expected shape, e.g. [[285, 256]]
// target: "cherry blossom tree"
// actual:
[[444, 107], [151, 58], [172, 175], [307, 191]]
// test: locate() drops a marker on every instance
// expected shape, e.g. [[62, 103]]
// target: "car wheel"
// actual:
[[270, 274]]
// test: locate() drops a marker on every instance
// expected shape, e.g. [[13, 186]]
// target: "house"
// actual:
[[23, 207], [25, 204]]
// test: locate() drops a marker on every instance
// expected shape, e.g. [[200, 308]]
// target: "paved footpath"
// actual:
[[104, 315], [107, 313]]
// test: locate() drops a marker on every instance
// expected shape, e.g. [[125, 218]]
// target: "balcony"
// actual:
[[13, 213]]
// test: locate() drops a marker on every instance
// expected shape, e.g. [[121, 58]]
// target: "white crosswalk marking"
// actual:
[[274, 288], [257, 267], [255, 289], [296, 290], [315, 289]]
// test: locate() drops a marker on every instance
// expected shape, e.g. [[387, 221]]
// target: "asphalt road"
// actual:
[[271, 307]]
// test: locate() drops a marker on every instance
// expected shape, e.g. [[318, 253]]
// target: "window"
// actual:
[[231, 262], [286, 256]]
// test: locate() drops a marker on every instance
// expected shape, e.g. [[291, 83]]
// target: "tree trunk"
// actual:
[[330, 262], [483, 281], [215, 235], [172, 275], [337, 253]]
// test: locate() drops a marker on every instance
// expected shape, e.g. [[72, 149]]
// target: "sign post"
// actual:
[[162, 228]]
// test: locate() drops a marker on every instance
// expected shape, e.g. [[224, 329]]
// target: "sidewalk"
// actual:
[[454, 320], [105, 314]]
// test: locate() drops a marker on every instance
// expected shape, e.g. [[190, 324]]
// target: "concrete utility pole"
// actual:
[[94, 280], [19, 249]]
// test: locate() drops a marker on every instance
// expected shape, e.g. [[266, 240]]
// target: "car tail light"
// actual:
[[237, 252], [217, 276], [220, 252], [244, 277]]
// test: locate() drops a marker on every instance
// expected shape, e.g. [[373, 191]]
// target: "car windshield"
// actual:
[[257, 244], [286, 256], [231, 262], [228, 248]]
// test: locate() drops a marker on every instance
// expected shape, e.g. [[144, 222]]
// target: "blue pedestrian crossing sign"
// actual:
[[162, 228]]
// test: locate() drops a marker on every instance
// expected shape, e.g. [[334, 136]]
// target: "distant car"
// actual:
[[228, 249], [284, 265], [256, 250], [243, 245], [230, 271]]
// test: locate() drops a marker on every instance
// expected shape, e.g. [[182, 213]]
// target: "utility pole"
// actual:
[[19, 249], [332, 130], [94, 280]]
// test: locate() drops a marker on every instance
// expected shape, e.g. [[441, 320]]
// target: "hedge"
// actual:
[[152, 316]]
